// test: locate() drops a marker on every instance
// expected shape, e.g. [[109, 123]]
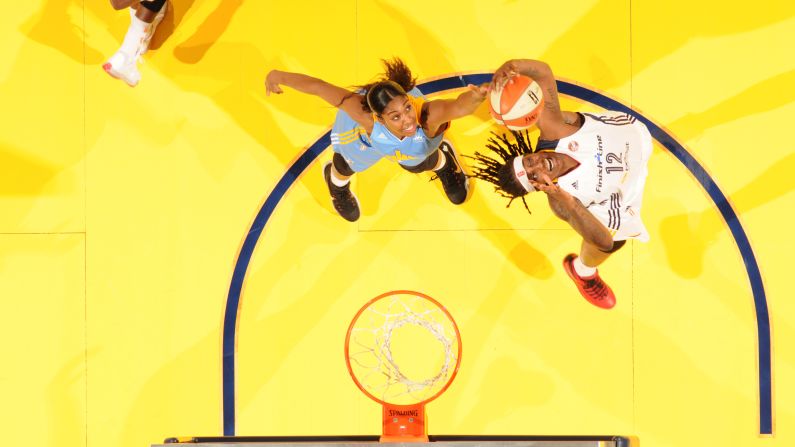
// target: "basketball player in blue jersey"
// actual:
[[386, 119], [592, 167]]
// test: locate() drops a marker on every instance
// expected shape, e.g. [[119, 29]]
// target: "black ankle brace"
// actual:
[[153, 5]]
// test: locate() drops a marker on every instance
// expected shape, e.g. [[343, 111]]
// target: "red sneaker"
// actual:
[[592, 288]]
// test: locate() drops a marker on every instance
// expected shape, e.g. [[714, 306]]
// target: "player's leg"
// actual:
[[583, 271], [444, 162], [121, 4], [144, 18], [431, 163], [337, 174], [592, 257]]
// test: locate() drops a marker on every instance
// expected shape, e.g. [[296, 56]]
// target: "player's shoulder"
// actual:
[[610, 117]]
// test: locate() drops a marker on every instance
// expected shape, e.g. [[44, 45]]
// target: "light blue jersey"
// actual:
[[361, 151]]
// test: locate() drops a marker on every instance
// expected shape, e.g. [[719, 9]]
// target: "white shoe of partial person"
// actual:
[[124, 65]]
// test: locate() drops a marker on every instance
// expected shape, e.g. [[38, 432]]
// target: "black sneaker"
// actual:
[[454, 180], [343, 199]]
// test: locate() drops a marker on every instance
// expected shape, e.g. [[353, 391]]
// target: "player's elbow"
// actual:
[[540, 70], [544, 68]]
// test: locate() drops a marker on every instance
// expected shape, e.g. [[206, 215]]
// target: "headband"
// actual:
[[394, 84], [521, 174]]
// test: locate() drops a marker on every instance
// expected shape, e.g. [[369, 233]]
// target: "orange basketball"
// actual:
[[517, 104]]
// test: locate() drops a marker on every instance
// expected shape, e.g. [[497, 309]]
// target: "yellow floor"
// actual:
[[126, 212]]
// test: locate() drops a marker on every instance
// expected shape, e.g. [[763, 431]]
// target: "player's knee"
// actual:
[[616, 246], [342, 166], [425, 165]]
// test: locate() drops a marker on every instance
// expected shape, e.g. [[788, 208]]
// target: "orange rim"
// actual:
[[404, 292]]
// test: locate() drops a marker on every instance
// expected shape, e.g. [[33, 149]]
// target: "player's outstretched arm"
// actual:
[[570, 209], [551, 122], [332, 94], [441, 111]]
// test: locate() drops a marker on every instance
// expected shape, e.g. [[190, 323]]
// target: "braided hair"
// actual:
[[500, 172]]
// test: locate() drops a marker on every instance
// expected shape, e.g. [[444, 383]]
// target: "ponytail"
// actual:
[[395, 81], [397, 71]]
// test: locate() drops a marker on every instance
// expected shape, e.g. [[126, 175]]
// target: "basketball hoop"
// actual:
[[403, 350]]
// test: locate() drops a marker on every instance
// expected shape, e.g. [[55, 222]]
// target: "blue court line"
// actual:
[[565, 88]]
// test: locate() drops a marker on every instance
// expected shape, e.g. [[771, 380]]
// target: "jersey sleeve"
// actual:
[[417, 103]]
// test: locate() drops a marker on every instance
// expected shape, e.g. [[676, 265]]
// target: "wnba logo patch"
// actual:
[[573, 146]]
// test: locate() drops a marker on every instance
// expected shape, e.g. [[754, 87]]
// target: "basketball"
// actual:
[[517, 104]]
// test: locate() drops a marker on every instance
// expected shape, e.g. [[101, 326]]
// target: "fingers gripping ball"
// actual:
[[517, 103]]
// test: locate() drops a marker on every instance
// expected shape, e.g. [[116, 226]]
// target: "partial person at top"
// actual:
[[145, 15]]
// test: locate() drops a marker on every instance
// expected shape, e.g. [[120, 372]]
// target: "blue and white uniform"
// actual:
[[349, 139]]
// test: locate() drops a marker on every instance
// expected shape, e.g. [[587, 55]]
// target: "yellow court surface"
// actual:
[[171, 264]]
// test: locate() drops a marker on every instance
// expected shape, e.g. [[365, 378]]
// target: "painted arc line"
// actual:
[[565, 88]]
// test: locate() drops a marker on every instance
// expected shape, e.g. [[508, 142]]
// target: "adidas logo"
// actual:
[[381, 136], [576, 185]]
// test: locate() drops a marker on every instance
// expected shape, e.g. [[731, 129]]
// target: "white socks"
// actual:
[[582, 270], [337, 181], [135, 33]]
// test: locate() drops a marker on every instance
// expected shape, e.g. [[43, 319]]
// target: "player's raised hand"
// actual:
[[504, 74], [272, 83], [480, 90], [551, 189]]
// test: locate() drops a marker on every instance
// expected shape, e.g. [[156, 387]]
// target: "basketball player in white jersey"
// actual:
[[592, 167]]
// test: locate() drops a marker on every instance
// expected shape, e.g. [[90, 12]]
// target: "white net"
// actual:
[[403, 349]]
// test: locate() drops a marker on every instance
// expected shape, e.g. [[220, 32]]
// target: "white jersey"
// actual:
[[613, 149]]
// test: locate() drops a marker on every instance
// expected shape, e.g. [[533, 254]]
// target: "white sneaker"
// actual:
[[124, 65]]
